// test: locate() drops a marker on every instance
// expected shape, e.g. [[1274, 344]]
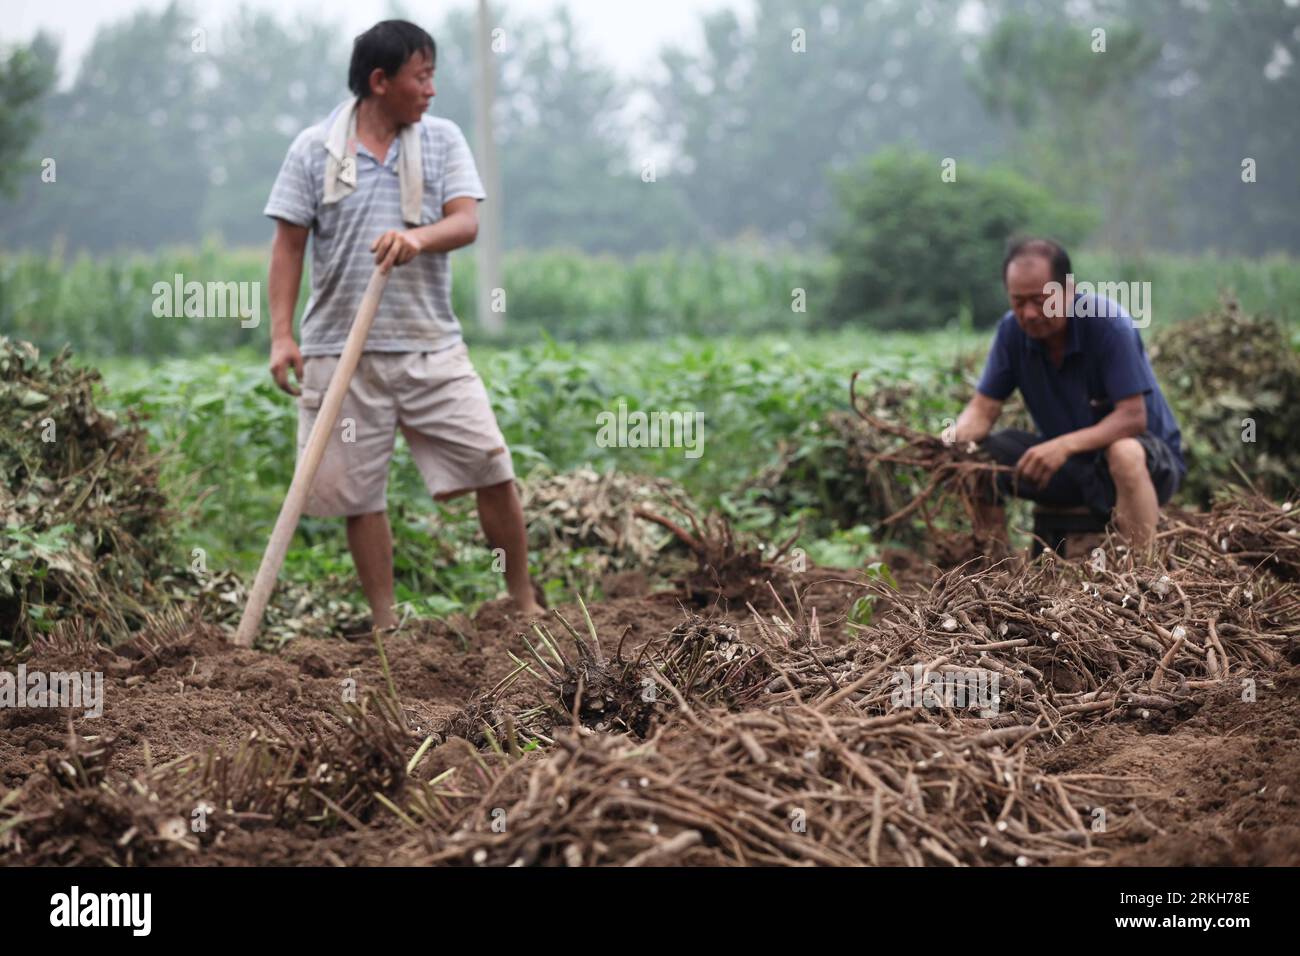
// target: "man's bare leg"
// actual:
[[1136, 507], [370, 539], [502, 518]]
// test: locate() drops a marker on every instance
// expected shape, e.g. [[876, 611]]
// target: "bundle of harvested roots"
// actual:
[[952, 470], [1248, 528], [1058, 644], [1115, 645], [801, 785], [75, 816], [80, 815], [926, 736], [700, 661], [730, 567]]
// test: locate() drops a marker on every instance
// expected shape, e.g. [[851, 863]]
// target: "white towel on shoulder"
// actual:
[[341, 163]]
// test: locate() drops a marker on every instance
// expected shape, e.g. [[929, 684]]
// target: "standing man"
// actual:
[[380, 183], [1106, 436]]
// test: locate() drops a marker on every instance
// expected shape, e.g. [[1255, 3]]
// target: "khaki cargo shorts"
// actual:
[[442, 407]]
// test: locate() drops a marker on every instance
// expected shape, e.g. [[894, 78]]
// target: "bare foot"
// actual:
[[366, 629], [533, 604]]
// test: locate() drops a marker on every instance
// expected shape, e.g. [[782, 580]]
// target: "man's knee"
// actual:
[[1127, 460], [1006, 446], [501, 494]]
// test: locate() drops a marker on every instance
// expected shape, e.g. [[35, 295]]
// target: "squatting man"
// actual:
[[1106, 438], [378, 182]]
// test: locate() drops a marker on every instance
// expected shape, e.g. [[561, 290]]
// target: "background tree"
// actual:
[[130, 169], [158, 143], [265, 81], [1155, 129], [756, 123], [913, 250], [1225, 89], [1069, 90], [27, 72]]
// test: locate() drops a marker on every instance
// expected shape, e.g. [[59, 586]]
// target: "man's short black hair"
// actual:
[[386, 46], [1050, 250]]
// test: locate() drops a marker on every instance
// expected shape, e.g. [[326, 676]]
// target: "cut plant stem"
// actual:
[[383, 663], [397, 811], [414, 761], [591, 628]]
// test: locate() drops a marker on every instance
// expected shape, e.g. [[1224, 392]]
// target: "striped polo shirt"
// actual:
[[415, 314]]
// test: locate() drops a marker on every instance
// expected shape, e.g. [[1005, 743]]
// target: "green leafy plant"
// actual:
[[914, 251], [864, 607]]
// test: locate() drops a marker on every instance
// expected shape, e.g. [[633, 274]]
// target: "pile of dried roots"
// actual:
[[921, 737], [594, 513]]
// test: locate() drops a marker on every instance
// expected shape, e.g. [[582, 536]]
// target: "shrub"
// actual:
[[914, 251]]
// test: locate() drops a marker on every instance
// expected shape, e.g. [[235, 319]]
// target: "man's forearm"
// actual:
[[282, 288], [452, 232], [1118, 424], [976, 420], [971, 425]]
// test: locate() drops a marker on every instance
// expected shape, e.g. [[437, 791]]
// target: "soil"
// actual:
[[1224, 784], [1220, 785]]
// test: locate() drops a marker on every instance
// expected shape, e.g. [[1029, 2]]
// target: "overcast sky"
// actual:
[[628, 33]]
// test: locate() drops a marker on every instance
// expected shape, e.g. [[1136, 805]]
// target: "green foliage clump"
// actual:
[[1233, 381], [914, 251], [82, 517]]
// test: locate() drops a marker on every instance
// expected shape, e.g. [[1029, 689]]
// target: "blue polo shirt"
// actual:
[[1104, 362]]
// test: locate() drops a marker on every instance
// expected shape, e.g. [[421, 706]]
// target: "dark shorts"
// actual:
[[1084, 480]]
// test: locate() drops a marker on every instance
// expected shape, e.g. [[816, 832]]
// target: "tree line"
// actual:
[[1172, 121]]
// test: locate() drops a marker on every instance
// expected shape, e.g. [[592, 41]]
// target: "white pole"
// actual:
[[488, 245]]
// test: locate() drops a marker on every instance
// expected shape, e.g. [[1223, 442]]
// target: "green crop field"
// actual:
[[229, 435], [104, 305], [726, 345]]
